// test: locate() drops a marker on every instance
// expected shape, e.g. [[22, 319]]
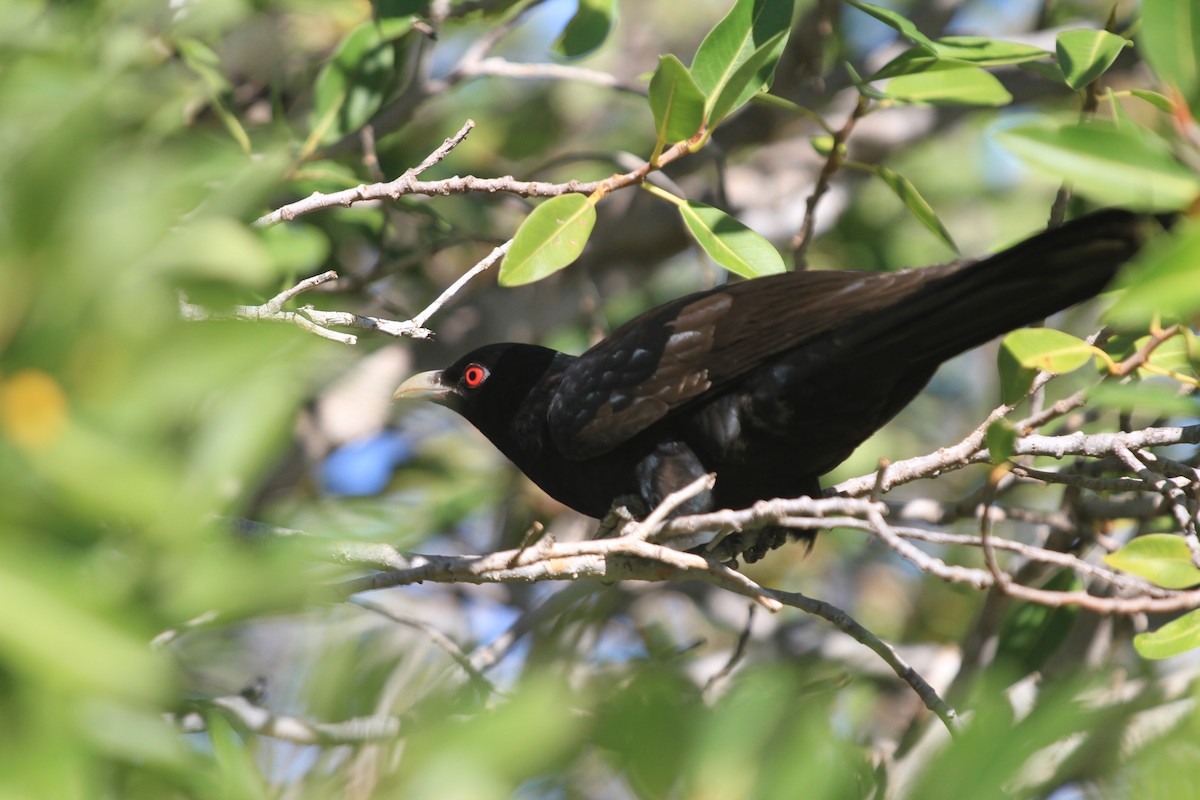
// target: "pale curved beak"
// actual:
[[423, 386]]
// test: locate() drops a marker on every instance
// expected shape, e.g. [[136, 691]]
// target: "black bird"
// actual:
[[769, 383]]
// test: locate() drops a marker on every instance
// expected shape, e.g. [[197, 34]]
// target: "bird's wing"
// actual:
[[679, 352]]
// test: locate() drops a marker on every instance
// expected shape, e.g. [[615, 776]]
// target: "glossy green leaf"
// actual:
[[1175, 638], [1161, 558], [740, 34], [549, 239], [1170, 41], [1164, 279], [1048, 349], [1015, 380], [916, 204], [730, 243], [1109, 165], [1085, 55], [947, 83], [753, 76], [1000, 438], [588, 29], [897, 22], [353, 85], [964, 50], [676, 101]]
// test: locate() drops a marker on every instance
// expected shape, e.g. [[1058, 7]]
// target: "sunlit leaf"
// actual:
[[916, 204], [1085, 55], [1175, 638], [549, 239], [751, 77], [1107, 164], [748, 26], [1162, 558], [730, 243], [676, 101], [1048, 349], [947, 83]]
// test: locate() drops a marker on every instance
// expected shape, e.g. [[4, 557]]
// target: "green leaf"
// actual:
[[1156, 99], [1015, 380], [740, 34], [1164, 279], [1000, 438], [588, 29], [549, 239], [1170, 42], [1031, 633], [1048, 349], [1148, 397], [964, 50], [916, 204], [352, 86], [897, 22], [730, 243], [1175, 638], [1085, 55], [1110, 165], [1161, 558], [676, 101], [1180, 353], [948, 83], [753, 76]]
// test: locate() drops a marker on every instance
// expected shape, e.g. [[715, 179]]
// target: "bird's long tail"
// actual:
[[968, 305]]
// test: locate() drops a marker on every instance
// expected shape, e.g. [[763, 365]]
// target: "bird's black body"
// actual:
[[769, 383]]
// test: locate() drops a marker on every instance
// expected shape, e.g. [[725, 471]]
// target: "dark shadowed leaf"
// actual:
[[352, 86], [588, 29]]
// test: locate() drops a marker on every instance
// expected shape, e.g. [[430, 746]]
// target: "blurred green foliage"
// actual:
[[140, 139]]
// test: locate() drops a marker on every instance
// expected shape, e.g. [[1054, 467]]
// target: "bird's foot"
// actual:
[[751, 545]]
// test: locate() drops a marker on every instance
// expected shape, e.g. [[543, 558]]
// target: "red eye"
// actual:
[[474, 375]]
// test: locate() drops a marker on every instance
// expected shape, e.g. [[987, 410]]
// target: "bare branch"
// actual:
[[407, 184], [253, 718]]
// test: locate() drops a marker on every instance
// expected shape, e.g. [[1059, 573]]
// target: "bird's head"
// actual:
[[499, 388]]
